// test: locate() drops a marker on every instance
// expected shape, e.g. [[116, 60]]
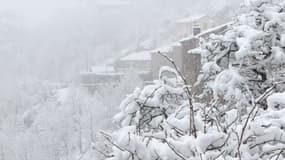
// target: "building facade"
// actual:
[[189, 63], [193, 25], [137, 61], [147, 64]]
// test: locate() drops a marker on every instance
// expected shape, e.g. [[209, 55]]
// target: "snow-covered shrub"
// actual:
[[237, 115], [250, 66]]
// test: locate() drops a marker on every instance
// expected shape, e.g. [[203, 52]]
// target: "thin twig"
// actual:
[[259, 99], [108, 138], [277, 158], [188, 92], [102, 153], [174, 150]]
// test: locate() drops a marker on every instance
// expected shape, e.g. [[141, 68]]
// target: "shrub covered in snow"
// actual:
[[237, 115]]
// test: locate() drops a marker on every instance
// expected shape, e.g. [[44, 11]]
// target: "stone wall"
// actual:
[[188, 63], [158, 61], [192, 67], [191, 62], [216, 30], [137, 66], [185, 28]]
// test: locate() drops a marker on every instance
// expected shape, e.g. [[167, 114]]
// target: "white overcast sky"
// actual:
[[35, 8], [35, 4], [53, 28]]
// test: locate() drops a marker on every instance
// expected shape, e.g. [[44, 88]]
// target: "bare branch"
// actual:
[[102, 153], [175, 150], [108, 138], [277, 158], [193, 129], [258, 100]]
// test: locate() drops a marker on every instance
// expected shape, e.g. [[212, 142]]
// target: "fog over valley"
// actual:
[[142, 79]]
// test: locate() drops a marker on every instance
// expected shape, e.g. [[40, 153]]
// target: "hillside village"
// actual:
[[143, 80], [146, 63]]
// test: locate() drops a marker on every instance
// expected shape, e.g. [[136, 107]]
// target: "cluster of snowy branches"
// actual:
[[233, 112]]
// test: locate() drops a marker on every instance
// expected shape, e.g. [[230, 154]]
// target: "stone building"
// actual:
[[157, 61], [137, 61], [189, 63], [220, 29], [148, 63], [100, 75], [193, 25]]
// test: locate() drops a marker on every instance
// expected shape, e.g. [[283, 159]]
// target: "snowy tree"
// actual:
[[237, 111]]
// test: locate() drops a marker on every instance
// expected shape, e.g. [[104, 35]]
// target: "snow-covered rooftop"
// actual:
[[176, 44], [190, 19], [195, 51], [102, 69], [186, 38], [165, 49], [217, 28], [137, 56]]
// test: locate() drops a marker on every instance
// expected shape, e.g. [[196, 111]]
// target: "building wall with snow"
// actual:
[[134, 62], [185, 26], [157, 61], [188, 63], [148, 63], [183, 60], [191, 62], [137, 62]]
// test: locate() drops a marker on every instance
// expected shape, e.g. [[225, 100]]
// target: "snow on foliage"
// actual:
[[238, 108], [276, 100]]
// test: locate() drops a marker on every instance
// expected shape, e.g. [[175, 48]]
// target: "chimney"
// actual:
[[196, 29]]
